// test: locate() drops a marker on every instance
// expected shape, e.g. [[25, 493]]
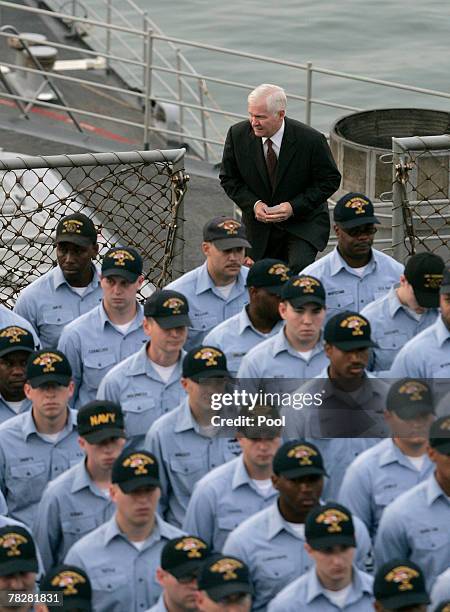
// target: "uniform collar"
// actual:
[[314, 589], [29, 426], [26, 404], [140, 364], [442, 333], [59, 279], [160, 530], [276, 522], [433, 490], [82, 480], [240, 476], [185, 420], [394, 303], [370, 384], [337, 263], [137, 321], [392, 454], [206, 283], [244, 322], [281, 343]]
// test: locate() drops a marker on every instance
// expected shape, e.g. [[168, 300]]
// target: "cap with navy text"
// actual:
[[15, 338], [122, 261], [47, 366], [100, 420], [354, 209]]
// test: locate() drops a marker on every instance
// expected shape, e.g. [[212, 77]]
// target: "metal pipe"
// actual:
[[108, 33], [308, 93], [202, 117], [399, 251], [180, 89], [148, 88]]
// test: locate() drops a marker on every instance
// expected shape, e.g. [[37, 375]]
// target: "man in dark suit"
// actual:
[[280, 173]]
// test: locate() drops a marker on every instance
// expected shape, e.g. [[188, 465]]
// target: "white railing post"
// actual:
[[308, 95], [148, 88]]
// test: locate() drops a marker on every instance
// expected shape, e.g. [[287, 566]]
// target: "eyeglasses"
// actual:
[[362, 230]]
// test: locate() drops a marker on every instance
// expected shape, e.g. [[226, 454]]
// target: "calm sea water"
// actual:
[[397, 40]]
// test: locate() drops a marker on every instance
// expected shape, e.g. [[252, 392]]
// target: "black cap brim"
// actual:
[[186, 569], [211, 374], [95, 437], [334, 540], [358, 222], [16, 349], [275, 289], [298, 472], [296, 302], [231, 243], [83, 241], [223, 590], [60, 379], [353, 345], [181, 320], [19, 565], [411, 411], [137, 483], [404, 599], [441, 445], [126, 274], [426, 299]]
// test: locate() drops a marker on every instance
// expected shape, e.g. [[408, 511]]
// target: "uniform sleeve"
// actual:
[[74, 557], [234, 545], [69, 345], [403, 365], [200, 514], [231, 178], [355, 494], [47, 529], [25, 307], [2, 470], [3, 505], [152, 443], [391, 541], [363, 554]]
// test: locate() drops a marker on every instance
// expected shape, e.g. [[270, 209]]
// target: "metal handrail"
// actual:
[[200, 112]]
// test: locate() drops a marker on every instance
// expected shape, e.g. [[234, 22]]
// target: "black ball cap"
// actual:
[[409, 398], [184, 556], [348, 331], [423, 272], [223, 575], [134, 469], [74, 585], [15, 338], [354, 209], [329, 525], [225, 233], [440, 435], [400, 583], [445, 284], [168, 308], [76, 228], [48, 366], [298, 458], [303, 289], [100, 420], [17, 551], [269, 274], [122, 261], [205, 362]]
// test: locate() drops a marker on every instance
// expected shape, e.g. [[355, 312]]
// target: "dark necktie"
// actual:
[[271, 161]]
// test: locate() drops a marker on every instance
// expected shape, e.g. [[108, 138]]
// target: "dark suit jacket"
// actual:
[[306, 176]]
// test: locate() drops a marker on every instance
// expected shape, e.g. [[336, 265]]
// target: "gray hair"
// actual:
[[274, 96]]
